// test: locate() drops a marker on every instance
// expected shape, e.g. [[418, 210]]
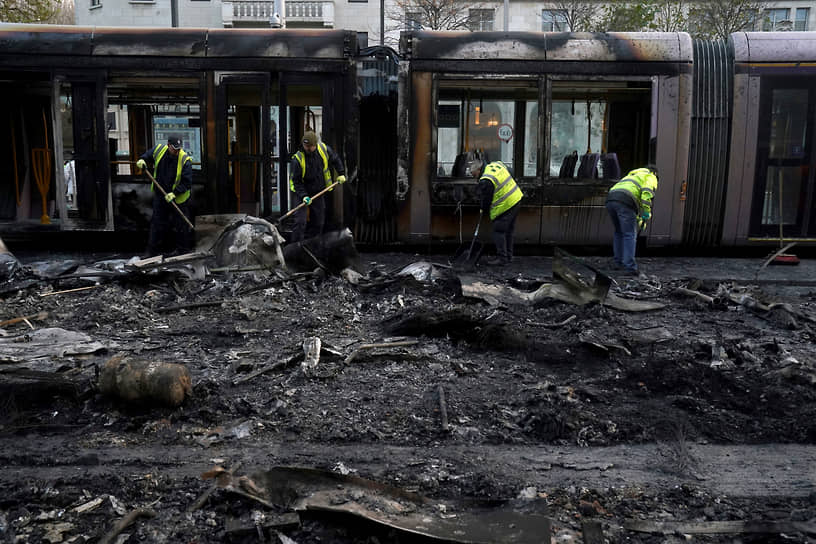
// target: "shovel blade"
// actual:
[[579, 275], [467, 256]]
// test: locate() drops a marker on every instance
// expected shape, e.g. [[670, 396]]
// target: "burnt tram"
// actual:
[[730, 126]]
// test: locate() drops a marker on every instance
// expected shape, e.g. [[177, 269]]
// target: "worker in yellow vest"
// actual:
[[173, 170], [310, 171], [629, 204], [500, 198]]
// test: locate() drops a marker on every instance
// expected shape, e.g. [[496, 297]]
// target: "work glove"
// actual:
[[645, 216], [641, 223], [140, 164], [169, 197], [341, 179], [307, 200]]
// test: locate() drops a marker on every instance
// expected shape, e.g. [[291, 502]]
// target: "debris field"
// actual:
[[392, 397]]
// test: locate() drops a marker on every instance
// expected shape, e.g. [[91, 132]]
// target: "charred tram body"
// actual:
[[100, 97], [730, 126]]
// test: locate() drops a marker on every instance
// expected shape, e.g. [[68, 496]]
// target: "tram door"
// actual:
[[784, 186], [304, 112], [245, 149]]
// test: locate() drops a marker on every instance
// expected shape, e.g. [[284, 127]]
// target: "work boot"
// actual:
[[498, 260]]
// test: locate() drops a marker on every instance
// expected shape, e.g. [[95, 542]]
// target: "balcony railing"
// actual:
[[243, 12]]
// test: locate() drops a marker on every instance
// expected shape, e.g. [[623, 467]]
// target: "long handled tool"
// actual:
[[181, 213], [466, 260], [475, 235], [41, 165], [299, 206], [780, 257]]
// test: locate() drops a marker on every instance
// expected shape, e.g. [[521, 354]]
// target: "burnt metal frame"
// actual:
[[223, 153], [199, 52]]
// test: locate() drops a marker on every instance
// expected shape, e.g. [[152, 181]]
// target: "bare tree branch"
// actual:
[[720, 18], [429, 14], [580, 15]]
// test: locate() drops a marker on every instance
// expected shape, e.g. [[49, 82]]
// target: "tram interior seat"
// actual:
[[588, 168], [610, 166], [568, 165], [459, 169]]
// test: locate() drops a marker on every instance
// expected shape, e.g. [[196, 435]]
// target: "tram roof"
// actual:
[[547, 46], [757, 47], [29, 39]]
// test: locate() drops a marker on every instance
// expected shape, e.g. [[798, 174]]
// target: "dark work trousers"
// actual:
[[316, 219], [503, 228], [167, 227], [624, 241]]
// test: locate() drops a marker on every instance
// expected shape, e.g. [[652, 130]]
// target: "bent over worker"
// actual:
[[173, 170], [629, 204], [310, 173], [500, 197]]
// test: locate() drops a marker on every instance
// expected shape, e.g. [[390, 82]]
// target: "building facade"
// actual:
[[370, 18]]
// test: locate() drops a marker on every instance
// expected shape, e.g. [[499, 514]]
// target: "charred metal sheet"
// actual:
[[44, 39], [620, 46], [179, 42], [316, 44], [475, 45], [548, 46], [786, 47], [16, 39]]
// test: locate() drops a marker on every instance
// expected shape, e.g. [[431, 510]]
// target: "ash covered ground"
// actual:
[[695, 421]]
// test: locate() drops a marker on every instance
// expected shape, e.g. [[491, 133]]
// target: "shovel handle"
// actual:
[[299, 206], [475, 235], [156, 184]]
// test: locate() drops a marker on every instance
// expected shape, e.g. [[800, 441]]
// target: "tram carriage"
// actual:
[[730, 126]]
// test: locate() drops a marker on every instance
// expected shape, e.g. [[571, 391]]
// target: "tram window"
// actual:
[[488, 119], [577, 129], [598, 129], [186, 126], [531, 139], [484, 125]]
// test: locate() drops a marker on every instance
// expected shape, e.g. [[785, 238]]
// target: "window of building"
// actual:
[[480, 19], [554, 20], [776, 19], [362, 40], [96, 3], [413, 20], [111, 120], [801, 22]]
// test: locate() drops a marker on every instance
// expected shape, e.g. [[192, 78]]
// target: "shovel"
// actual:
[[467, 259], [299, 206], [580, 276], [156, 184]]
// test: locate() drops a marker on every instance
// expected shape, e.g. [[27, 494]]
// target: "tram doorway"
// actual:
[[785, 188]]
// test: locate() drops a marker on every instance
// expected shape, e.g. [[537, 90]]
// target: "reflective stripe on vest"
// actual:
[[635, 184], [506, 192], [183, 157], [324, 154]]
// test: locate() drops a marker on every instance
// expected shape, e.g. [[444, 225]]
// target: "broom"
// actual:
[[41, 163], [780, 257]]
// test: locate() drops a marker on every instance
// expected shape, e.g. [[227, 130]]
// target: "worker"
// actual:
[[500, 197], [173, 170], [629, 204], [310, 173], [69, 171]]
